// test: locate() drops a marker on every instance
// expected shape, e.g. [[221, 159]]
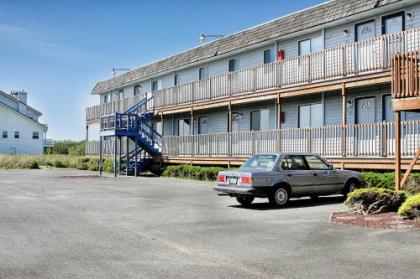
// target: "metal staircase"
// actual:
[[135, 141]]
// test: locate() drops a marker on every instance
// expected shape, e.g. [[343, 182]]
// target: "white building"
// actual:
[[20, 131]]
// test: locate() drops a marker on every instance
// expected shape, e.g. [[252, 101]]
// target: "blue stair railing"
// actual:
[[135, 126]]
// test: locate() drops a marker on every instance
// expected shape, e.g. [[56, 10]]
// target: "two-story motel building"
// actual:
[[318, 80]]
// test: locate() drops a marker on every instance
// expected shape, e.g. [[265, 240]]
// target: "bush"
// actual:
[[413, 185], [192, 172], [375, 200], [93, 164], [19, 162], [379, 180], [108, 166], [68, 147], [411, 207]]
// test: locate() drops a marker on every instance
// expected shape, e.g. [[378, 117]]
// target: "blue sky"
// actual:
[[57, 50]]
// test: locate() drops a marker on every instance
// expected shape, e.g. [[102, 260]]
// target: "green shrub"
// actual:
[[375, 200], [192, 172], [93, 164], [411, 207], [83, 163], [413, 185], [379, 180], [108, 166]]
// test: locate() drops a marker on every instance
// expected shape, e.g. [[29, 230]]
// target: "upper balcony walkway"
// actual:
[[350, 60]]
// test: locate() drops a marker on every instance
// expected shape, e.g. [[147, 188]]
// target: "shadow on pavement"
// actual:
[[293, 203]]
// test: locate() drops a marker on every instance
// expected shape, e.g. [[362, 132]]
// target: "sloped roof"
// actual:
[[317, 15], [24, 116], [17, 101]]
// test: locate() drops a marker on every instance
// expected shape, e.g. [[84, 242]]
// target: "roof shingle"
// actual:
[[312, 17]]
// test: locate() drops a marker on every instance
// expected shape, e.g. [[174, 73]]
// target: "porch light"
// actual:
[[346, 32], [409, 15]]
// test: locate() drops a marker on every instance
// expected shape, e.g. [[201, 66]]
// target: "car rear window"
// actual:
[[263, 162]]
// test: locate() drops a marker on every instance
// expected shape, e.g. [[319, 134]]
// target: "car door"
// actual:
[[325, 179], [297, 174]]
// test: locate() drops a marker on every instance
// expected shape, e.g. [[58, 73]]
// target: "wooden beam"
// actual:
[[410, 168], [397, 150], [406, 104]]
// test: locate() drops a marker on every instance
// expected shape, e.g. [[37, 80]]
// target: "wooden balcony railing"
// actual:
[[406, 75], [120, 106], [352, 59], [374, 140]]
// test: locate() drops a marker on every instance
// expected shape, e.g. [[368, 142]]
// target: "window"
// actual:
[[156, 85], [316, 163], [107, 98], [311, 45], [311, 115], [176, 79], [137, 89], [365, 30], [203, 125], [17, 135], [35, 135], [260, 120], [387, 111], [264, 162], [4, 135], [232, 65], [202, 73], [236, 121], [268, 57], [393, 23], [183, 127], [295, 162]]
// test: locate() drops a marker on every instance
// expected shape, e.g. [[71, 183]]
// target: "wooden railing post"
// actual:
[[397, 150], [344, 120]]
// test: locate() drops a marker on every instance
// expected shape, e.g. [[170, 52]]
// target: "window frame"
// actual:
[[270, 60], [310, 114], [320, 159], [176, 79], [386, 17], [136, 90], [202, 75], [5, 134], [356, 35], [310, 44], [232, 65], [199, 124], [185, 120], [35, 137], [280, 165], [16, 135]]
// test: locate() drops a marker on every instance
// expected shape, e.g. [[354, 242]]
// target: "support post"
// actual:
[[192, 130], [344, 120], [136, 157], [115, 156], [100, 155], [120, 157], [397, 124], [278, 126], [127, 161], [229, 129]]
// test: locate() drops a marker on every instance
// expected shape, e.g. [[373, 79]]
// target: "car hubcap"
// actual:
[[281, 196]]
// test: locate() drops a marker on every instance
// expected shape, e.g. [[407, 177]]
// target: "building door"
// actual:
[[392, 24], [365, 110], [365, 51], [387, 111]]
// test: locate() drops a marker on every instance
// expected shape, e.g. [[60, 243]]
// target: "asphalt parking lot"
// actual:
[[73, 224]]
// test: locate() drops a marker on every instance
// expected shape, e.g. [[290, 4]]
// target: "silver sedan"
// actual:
[[279, 176]]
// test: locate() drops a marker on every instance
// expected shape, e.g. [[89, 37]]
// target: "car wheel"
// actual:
[[350, 187], [245, 201], [280, 197]]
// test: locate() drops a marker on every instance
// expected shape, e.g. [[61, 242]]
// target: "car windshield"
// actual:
[[262, 162]]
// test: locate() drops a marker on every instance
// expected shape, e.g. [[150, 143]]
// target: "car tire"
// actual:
[[280, 197], [350, 187], [245, 201]]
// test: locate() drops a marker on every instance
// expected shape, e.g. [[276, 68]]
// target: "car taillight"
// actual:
[[221, 178], [246, 180]]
